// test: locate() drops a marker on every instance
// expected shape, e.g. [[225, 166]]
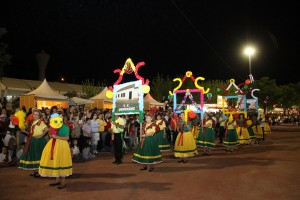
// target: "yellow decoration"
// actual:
[[232, 80], [145, 89], [249, 122], [109, 94], [188, 74], [230, 118], [180, 84], [199, 87], [21, 115], [126, 68], [186, 112], [56, 122]]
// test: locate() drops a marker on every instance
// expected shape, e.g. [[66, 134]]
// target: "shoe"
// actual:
[[54, 184], [33, 174], [144, 168], [37, 175], [61, 186], [114, 162], [185, 161], [151, 169], [179, 161], [119, 162]]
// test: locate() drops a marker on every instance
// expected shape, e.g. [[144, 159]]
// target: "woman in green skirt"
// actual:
[[30, 158], [231, 137], [161, 135], [206, 137], [147, 152]]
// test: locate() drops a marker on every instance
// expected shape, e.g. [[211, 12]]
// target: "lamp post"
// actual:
[[250, 51]]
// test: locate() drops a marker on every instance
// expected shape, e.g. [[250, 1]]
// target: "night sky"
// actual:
[[88, 39]]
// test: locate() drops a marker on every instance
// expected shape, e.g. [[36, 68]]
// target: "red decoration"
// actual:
[[15, 120], [192, 114], [247, 82]]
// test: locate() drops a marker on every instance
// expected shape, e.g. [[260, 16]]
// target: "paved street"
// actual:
[[270, 170]]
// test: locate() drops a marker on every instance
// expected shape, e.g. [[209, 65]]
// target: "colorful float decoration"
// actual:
[[236, 104], [129, 68], [128, 98], [239, 104], [196, 107]]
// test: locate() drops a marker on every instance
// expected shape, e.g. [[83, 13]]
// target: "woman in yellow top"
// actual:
[[101, 130], [161, 135], [242, 131], [206, 136], [30, 158], [147, 151], [185, 144], [231, 137]]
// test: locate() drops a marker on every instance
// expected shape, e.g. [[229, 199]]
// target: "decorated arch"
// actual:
[[197, 107], [128, 98]]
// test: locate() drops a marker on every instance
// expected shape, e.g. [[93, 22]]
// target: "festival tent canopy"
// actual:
[[45, 91], [43, 96], [100, 100], [79, 101], [150, 102]]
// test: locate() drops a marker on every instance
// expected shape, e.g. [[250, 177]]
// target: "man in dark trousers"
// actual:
[[117, 129]]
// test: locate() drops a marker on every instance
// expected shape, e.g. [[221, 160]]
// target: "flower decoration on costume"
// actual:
[[19, 119]]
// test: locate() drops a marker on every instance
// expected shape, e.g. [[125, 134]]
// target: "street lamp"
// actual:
[[250, 51]]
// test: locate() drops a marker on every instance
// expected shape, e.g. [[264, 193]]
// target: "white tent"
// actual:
[[102, 95], [45, 91], [43, 96], [150, 102], [79, 101], [100, 100]]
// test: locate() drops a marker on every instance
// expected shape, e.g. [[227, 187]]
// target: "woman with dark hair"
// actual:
[[147, 151], [30, 158], [185, 145], [206, 137]]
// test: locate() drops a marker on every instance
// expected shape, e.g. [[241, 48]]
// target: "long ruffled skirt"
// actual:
[[163, 143], [61, 165], [31, 160], [185, 145], [147, 151]]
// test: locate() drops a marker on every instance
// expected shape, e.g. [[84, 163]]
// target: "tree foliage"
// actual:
[[160, 87], [90, 88]]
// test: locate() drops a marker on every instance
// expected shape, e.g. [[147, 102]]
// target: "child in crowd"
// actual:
[[75, 150], [5, 158]]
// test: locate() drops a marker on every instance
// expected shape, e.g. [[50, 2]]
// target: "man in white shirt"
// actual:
[[95, 133]]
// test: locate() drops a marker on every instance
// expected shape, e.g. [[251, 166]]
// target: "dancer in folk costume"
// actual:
[[56, 160], [231, 137], [257, 129], [250, 130], [242, 131], [147, 152], [264, 123], [30, 158], [196, 121], [185, 145], [206, 138], [161, 135]]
